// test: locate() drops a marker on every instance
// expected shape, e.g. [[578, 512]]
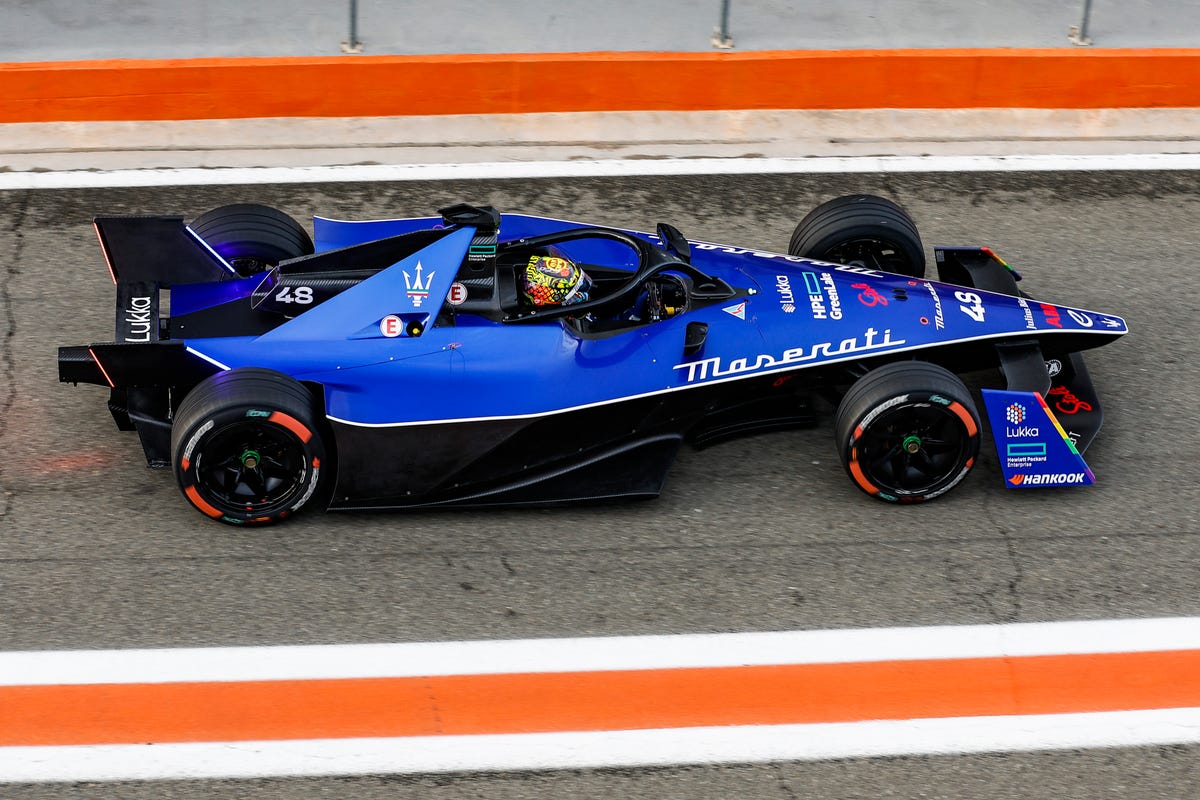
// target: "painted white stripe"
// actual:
[[596, 654], [220, 258], [732, 744], [597, 168], [209, 359]]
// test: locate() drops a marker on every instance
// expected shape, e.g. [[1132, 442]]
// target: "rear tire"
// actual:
[[907, 432], [246, 448], [252, 237], [863, 230]]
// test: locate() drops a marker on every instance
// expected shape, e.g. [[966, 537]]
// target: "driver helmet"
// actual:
[[554, 280]]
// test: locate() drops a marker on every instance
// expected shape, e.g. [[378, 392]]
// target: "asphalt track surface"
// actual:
[[759, 534]]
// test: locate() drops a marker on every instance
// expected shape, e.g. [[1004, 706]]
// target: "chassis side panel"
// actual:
[[620, 449]]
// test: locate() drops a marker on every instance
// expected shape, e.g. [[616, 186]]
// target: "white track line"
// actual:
[[711, 745], [596, 654], [95, 179]]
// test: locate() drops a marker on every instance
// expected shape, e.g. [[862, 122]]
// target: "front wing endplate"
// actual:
[[1033, 449]]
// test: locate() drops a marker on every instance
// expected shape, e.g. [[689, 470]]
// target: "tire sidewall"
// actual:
[[202, 432], [912, 254], [867, 218], [882, 391], [914, 400], [251, 236]]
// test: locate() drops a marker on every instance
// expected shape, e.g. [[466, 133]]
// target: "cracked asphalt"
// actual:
[[764, 533]]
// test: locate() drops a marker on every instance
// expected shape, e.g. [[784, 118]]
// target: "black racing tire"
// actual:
[[252, 237], [863, 230], [907, 432], [246, 448]]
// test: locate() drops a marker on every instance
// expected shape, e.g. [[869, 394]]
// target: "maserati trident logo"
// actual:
[[418, 289]]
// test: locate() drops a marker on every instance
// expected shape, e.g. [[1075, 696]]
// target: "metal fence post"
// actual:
[[721, 37], [1078, 34], [352, 44]]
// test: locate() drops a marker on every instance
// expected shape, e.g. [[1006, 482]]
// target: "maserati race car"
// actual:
[[484, 359]]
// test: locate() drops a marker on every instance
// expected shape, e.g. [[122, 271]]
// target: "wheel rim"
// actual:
[[871, 252], [251, 469], [913, 449]]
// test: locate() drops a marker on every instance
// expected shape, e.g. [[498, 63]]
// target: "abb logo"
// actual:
[[1051, 314]]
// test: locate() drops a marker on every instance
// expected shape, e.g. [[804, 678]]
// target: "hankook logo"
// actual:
[[1053, 479]]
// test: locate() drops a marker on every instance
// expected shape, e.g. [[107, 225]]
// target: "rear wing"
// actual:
[[159, 250], [146, 254]]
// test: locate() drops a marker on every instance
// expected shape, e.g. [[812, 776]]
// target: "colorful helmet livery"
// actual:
[[554, 281]]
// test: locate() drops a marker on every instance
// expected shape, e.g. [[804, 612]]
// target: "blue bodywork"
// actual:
[[433, 399], [797, 314]]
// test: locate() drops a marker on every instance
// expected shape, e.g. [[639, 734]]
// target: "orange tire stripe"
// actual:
[[200, 503], [292, 424], [593, 701], [228, 88], [859, 476], [959, 409]]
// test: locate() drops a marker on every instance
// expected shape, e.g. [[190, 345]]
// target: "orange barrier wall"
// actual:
[[352, 86]]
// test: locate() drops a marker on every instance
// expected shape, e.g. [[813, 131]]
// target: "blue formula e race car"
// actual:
[[484, 359]]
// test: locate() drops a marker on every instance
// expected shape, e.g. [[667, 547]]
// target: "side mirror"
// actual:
[[673, 240], [485, 218], [693, 339]]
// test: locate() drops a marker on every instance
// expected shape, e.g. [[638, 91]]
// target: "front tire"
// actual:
[[862, 230], [907, 432], [246, 447]]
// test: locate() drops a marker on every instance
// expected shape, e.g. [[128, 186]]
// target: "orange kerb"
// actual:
[[595, 701]]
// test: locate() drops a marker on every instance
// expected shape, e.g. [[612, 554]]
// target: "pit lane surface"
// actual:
[[760, 534]]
